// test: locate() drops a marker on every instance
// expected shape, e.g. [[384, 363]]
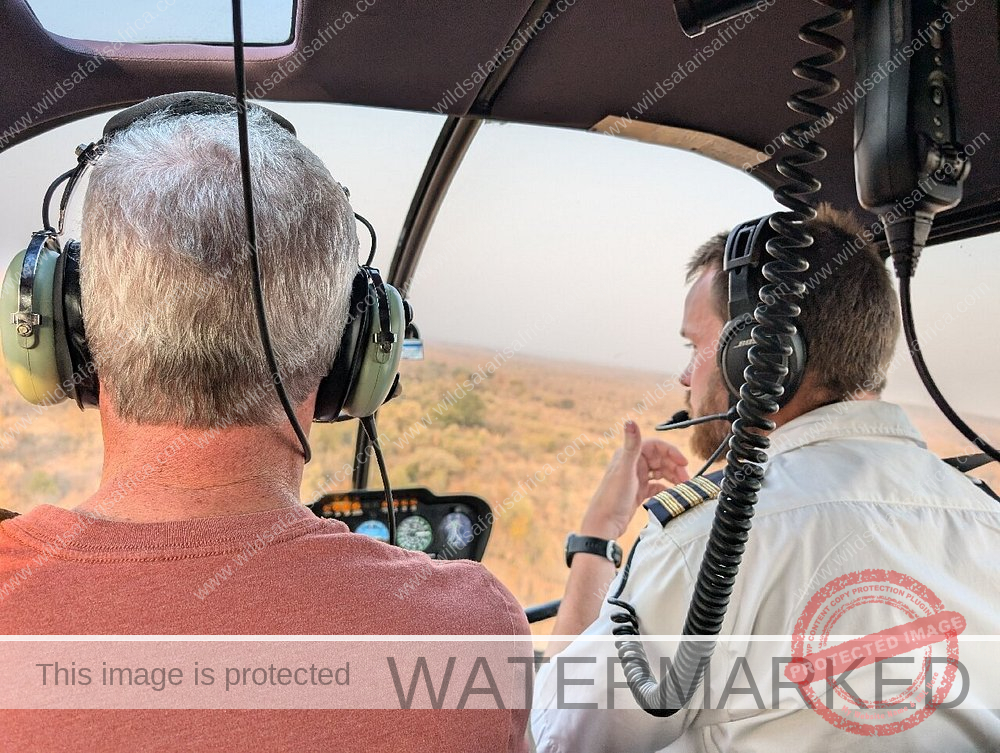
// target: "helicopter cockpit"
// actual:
[[527, 174]]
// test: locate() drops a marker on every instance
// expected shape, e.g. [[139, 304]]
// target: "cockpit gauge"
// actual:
[[415, 533], [449, 527], [374, 528], [456, 528]]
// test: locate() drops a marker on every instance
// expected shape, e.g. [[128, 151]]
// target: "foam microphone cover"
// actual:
[[679, 417]]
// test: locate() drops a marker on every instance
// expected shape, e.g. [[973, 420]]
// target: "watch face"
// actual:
[[616, 554]]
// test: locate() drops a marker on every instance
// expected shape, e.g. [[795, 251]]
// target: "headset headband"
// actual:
[[742, 264], [186, 103], [176, 105]]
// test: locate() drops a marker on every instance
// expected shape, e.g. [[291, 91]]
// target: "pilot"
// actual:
[[851, 494], [197, 526]]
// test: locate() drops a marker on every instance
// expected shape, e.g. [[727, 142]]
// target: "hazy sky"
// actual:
[[267, 21], [587, 231]]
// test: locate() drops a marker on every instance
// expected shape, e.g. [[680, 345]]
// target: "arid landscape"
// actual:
[[520, 414]]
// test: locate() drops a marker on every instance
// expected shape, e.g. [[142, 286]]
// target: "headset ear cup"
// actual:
[[29, 348], [364, 372], [64, 360], [336, 385], [379, 364], [796, 368], [732, 354], [734, 347], [69, 305]]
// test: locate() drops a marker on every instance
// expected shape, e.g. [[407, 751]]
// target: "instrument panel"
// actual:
[[453, 527]]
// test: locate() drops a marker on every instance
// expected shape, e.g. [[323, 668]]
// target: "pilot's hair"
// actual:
[[850, 317], [166, 278]]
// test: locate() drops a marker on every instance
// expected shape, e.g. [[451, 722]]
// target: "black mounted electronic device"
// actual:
[[908, 160]]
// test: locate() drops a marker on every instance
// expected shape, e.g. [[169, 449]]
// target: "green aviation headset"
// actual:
[[42, 331]]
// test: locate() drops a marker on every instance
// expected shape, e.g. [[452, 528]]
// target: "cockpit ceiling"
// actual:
[[592, 59]]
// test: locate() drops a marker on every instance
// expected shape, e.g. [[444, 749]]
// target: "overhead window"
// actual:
[[265, 22]]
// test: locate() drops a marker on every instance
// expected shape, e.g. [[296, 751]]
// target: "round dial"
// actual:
[[415, 533], [457, 530], [374, 528]]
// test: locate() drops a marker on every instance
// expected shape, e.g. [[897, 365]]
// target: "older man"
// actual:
[[852, 503], [200, 462]]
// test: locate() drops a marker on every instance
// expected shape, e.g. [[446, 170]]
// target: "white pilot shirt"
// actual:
[[849, 486]]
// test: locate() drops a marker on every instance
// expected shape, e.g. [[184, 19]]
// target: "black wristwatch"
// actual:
[[593, 545]]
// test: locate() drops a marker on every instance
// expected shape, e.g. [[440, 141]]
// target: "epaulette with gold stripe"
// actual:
[[676, 500]]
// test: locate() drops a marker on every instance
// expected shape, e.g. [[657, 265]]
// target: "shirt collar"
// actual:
[[870, 419]]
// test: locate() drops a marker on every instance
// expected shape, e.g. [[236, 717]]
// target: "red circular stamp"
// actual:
[[923, 648]]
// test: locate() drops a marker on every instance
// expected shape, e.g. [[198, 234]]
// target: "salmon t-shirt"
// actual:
[[276, 572]]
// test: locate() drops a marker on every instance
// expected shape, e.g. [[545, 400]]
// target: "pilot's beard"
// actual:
[[707, 437]]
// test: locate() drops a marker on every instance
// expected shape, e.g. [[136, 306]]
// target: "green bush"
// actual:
[[40, 486], [431, 467], [468, 412]]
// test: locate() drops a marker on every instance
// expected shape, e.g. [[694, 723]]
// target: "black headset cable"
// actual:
[[910, 333], [368, 422], [715, 455], [258, 293], [47, 201], [371, 231]]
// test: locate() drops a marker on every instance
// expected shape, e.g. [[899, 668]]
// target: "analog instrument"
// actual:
[[414, 532], [374, 528]]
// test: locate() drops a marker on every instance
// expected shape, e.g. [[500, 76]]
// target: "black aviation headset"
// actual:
[[744, 256], [743, 259], [42, 332]]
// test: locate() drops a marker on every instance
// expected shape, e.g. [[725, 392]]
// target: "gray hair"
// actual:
[[166, 277]]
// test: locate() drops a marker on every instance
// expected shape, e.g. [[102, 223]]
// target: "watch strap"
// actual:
[[608, 549]]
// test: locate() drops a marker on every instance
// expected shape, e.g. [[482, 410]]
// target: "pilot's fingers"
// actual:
[[676, 475], [662, 460], [632, 441], [658, 451], [668, 472]]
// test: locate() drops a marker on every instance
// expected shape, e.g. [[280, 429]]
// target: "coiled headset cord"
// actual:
[[744, 463], [614, 599]]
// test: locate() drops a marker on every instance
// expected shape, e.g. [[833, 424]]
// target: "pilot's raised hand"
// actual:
[[638, 470]]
